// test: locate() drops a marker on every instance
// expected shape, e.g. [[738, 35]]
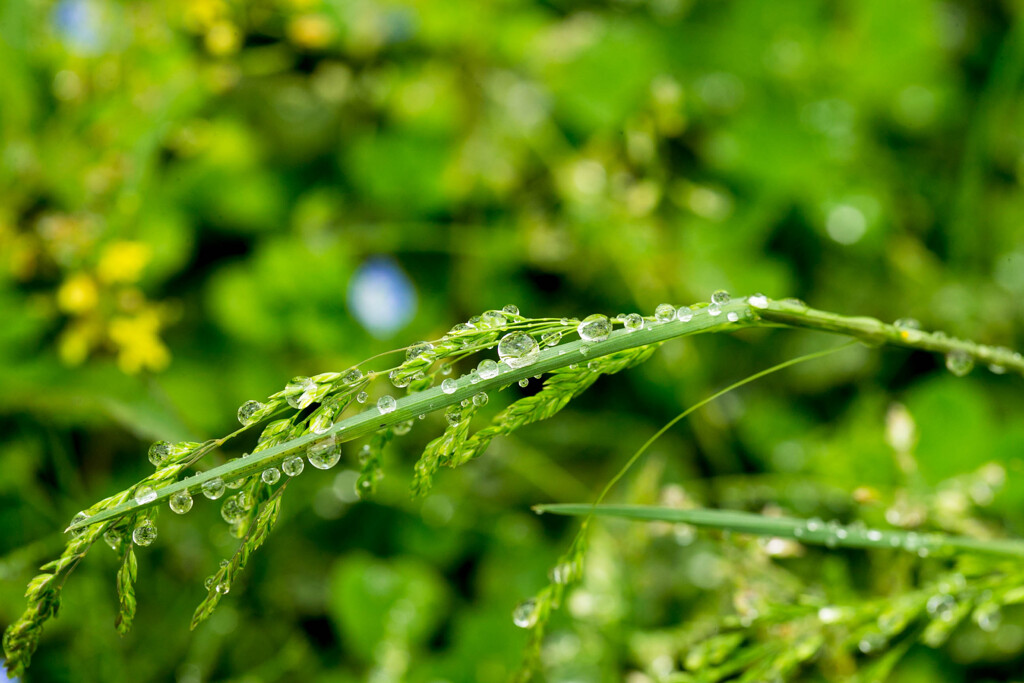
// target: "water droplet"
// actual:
[[564, 572], [325, 453], [758, 300], [487, 369], [714, 310], [386, 404], [584, 350], [449, 386], [524, 382], [293, 466], [732, 316], [270, 475], [633, 322], [231, 510], [223, 587], [403, 428], [525, 614], [144, 533], [480, 399], [321, 422], [594, 328], [112, 538], [684, 314], [874, 535], [208, 582], [80, 517], [213, 489], [941, 606], [362, 397], [418, 349], [145, 494], [160, 452], [445, 369], [245, 500], [518, 350], [988, 617], [400, 378], [302, 391], [720, 297], [510, 309], [249, 412], [180, 502], [907, 324], [492, 319], [551, 338], [453, 414], [959, 362], [665, 313], [352, 376]]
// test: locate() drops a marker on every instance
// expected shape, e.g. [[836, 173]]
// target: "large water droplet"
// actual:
[[270, 475], [214, 488], [180, 502], [232, 510], [518, 350], [684, 314], [492, 319], [594, 328], [249, 412], [720, 297], [402, 428], [959, 362], [352, 376], [323, 454], [386, 404], [362, 397], [525, 614], [449, 386], [400, 378], [223, 587], [160, 452], [453, 414], [714, 310], [487, 369], [510, 309], [293, 466], [551, 338], [665, 313], [145, 494], [480, 399], [144, 533]]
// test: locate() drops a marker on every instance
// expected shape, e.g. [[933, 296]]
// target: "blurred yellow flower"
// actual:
[[223, 38], [201, 14], [123, 261], [77, 341], [310, 31], [78, 294], [138, 342]]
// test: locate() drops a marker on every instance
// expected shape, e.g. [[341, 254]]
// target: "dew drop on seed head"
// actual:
[[758, 300], [112, 538], [959, 362], [594, 328], [223, 587], [524, 382], [386, 404], [145, 494], [480, 399], [551, 338], [293, 466], [362, 397], [402, 428], [518, 350], [487, 369], [633, 322], [453, 414], [465, 402], [160, 451], [248, 412], [492, 319], [525, 614], [418, 349], [352, 376], [449, 386], [399, 378], [510, 309], [665, 313], [213, 489], [270, 475], [245, 500], [324, 454], [144, 533], [720, 297], [684, 314], [180, 502], [302, 391]]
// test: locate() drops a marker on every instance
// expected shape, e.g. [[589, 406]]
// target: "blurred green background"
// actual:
[[201, 199]]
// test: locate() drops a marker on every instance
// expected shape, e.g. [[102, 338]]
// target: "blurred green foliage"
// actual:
[[201, 199]]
